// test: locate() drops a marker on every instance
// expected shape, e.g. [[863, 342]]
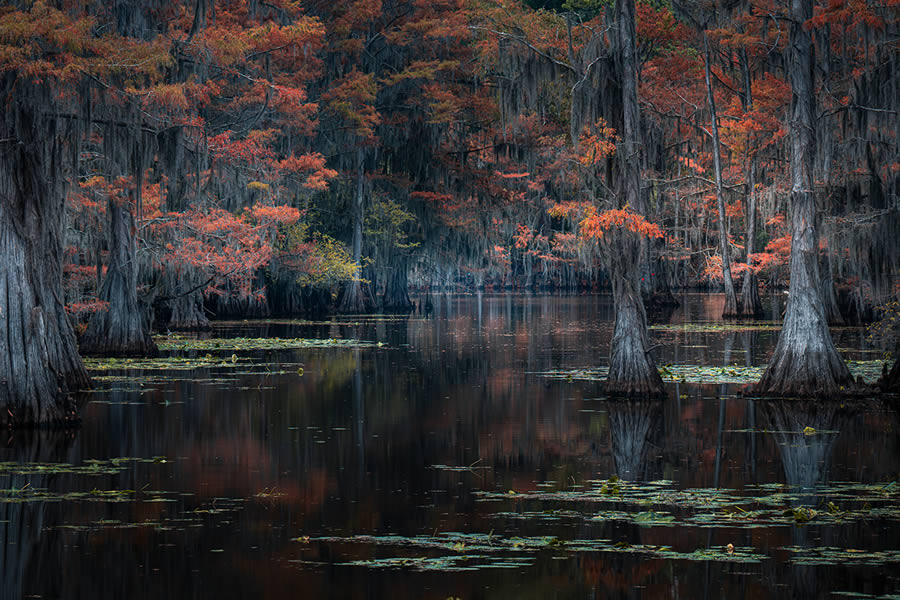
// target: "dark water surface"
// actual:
[[446, 463]]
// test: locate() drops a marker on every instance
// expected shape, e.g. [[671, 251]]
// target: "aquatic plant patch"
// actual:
[[869, 370], [238, 344], [479, 550]]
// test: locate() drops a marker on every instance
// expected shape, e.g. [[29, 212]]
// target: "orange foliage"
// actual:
[[595, 225]]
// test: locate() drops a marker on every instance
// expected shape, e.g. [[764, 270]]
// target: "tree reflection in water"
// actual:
[[805, 433], [24, 539], [631, 423]]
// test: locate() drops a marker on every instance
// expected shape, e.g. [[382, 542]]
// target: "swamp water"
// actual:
[[467, 454]]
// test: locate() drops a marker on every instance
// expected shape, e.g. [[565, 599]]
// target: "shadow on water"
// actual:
[[444, 463]]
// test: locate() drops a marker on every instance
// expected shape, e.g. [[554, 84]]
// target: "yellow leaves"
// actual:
[[420, 69], [166, 96], [258, 186]]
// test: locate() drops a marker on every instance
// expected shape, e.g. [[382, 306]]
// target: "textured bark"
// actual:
[[122, 329], [661, 296], [805, 362], [631, 370], [396, 291], [750, 304], [187, 313], [731, 306], [356, 296], [39, 362]]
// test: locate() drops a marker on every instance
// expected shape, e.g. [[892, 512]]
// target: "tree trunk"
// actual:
[[631, 370], [39, 362], [356, 297], [805, 362], [750, 304], [187, 313], [121, 329], [829, 298], [396, 291], [731, 308]]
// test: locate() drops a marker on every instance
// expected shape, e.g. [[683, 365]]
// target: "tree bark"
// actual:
[[122, 329], [805, 362], [749, 305], [396, 291], [356, 296], [187, 313], [631, 369], [731, 307], [39, 362]]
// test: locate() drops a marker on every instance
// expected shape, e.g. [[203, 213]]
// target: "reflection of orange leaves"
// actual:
[[596, 225]]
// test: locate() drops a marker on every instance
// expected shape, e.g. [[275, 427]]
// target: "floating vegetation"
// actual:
[[90, 467], [658, 504], [827, 555], [470, 468], [471, 551], [184, 343], [169, 363], [869, 370], [220, 352], [35, 494], [717, 327]]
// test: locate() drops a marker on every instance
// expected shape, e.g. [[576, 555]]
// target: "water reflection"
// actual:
[[27, 528], [805, 434], [400, 439], [631, 423]]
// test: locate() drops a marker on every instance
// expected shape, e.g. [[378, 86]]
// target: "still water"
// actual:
[[462, 454]]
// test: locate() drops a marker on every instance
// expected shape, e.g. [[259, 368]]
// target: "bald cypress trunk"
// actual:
[[122, 329], [731, 307], [356, 296], [805, 361], [39, 362], [187, 313], [749, 304], [396, 290], [631, 370]]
